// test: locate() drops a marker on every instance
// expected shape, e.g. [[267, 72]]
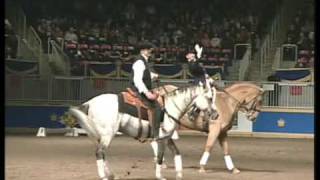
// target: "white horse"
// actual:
[[101, 119]]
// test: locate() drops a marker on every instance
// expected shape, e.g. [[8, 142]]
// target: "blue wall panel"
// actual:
[[294, 122], [34, 116], [49, 117]]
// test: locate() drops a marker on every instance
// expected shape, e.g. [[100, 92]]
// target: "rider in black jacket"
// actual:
[[200, 76]]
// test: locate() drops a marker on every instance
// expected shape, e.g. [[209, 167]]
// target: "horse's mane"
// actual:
[[242, 84], [180, 90]]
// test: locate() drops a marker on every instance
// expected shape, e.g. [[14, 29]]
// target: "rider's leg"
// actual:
[[156, 120]]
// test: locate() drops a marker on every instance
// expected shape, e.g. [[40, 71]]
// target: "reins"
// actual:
[[177, 120]]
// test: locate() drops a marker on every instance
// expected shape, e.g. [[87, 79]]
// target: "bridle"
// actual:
[[182, 112], [249, 107], [252, 104]]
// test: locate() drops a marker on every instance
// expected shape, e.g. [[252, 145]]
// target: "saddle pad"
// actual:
[[129, 108], [132, 99]]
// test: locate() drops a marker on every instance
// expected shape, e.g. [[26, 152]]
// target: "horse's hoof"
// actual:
[[111, 177], [164, 166], [179, 176], [161, 178], [235, 171], [202, 170]]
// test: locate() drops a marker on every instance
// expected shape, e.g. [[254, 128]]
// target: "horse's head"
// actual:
[[249, 96], [205, 99], [251, 105]]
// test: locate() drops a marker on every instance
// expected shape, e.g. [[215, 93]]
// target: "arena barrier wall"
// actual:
[[35, 102], [34, 116], [285, 121]]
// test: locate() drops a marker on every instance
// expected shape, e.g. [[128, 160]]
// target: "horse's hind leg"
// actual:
[[177, 158], [227, 158], [103, 166]]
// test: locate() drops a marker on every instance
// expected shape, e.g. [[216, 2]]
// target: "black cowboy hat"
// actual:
[[145, 45]]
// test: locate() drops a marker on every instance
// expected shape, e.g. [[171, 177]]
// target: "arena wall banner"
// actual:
[[295, 75], [35, 116], [103, 70], [22, 67], [126, 69], [168, 70], [285, 121]]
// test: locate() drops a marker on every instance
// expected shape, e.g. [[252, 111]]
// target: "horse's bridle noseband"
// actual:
[[253, 103], [177, 120], [244, 105]]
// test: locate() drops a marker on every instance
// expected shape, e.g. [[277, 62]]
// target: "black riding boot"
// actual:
[[156, 123]]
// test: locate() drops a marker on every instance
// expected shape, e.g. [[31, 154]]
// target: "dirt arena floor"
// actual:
[[72, 158]]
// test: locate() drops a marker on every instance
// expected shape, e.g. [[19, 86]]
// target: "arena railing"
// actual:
[[276, 34], [245, 61], [59, 59], [24, 50], [74, 90], [17, 18], [277, 59], [34, 42]]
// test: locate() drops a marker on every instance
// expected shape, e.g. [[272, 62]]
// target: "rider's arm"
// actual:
[[138, 67]]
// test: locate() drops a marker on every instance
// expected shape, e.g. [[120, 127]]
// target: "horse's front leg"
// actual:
[[227, 158], [154, 146], [177, 158], [214, 131], [160, 154]]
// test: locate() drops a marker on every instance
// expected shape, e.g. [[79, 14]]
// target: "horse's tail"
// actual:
[[80, 114]]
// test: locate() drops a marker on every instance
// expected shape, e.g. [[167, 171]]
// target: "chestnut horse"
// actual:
[[243, 96]]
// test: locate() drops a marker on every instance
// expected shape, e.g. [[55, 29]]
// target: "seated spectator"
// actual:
[[205, 40], [303, 42], [293, 32], [58, 35], [216, 41], [311, 62], [71, 36], [289, 40], [244, 35], [164, 40], [300, 65], [227, 41], [132, 39], [302, 62]]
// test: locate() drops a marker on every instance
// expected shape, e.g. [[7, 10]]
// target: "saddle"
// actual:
[[130, 97], [144, 112], [131, 101]]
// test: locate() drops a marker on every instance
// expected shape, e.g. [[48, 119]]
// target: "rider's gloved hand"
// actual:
[[151, 96]]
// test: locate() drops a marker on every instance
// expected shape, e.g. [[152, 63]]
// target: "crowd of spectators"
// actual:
[[108, 30], [301, 34]]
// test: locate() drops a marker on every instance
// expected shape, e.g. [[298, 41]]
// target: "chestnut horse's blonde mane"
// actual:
[[238, 85]]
